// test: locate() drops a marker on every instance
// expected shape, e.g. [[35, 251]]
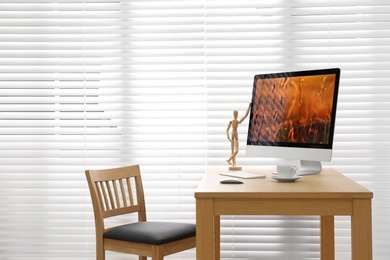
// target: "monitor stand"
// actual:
[[309, 167]]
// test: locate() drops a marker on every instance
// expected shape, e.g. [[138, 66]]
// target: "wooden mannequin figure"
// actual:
[[233, 138]]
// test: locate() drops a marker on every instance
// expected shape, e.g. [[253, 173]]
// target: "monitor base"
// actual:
[[309, 167]]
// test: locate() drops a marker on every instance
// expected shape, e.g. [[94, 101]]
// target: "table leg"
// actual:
[[205, 229], [327, 238], [361, 230], [217, 237]]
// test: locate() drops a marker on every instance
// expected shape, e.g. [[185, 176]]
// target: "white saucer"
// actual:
[[285, 179]]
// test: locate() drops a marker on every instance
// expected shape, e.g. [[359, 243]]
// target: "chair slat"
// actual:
[[130, 191], [116, 194], [110, 194], [100, 195], [123, 193], [103, 186]]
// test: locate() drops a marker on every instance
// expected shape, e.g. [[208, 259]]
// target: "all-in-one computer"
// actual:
[[293, 117]]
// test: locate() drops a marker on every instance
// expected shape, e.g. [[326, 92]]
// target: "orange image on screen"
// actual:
[[293, 109]]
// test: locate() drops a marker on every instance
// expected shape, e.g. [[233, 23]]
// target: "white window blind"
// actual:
[[94, 84]]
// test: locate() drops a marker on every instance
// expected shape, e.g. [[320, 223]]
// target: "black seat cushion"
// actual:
[[155, 233]]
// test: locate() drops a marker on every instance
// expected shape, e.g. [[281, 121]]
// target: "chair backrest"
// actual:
[[115, 192]]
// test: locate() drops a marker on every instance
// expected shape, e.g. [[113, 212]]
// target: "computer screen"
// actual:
[[293, 116]]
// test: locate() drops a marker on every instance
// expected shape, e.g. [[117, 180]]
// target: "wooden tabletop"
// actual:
[[327, 185]]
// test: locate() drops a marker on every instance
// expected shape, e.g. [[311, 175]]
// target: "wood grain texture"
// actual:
[[117, 192], [326, 195]]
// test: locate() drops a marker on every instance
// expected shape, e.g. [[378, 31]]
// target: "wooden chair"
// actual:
[[119, 191]]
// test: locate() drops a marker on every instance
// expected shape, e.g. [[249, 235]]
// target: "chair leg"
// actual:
[[100, 254], [157, 255]]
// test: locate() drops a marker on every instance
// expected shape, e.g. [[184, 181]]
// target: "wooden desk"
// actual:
[[326, 195]]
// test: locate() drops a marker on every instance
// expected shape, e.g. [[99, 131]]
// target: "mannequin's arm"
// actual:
[[246, 114]]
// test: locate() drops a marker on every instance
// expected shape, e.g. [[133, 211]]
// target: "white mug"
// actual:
[[286, 171]]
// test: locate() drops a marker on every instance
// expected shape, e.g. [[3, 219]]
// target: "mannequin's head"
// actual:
[[235, 114]]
